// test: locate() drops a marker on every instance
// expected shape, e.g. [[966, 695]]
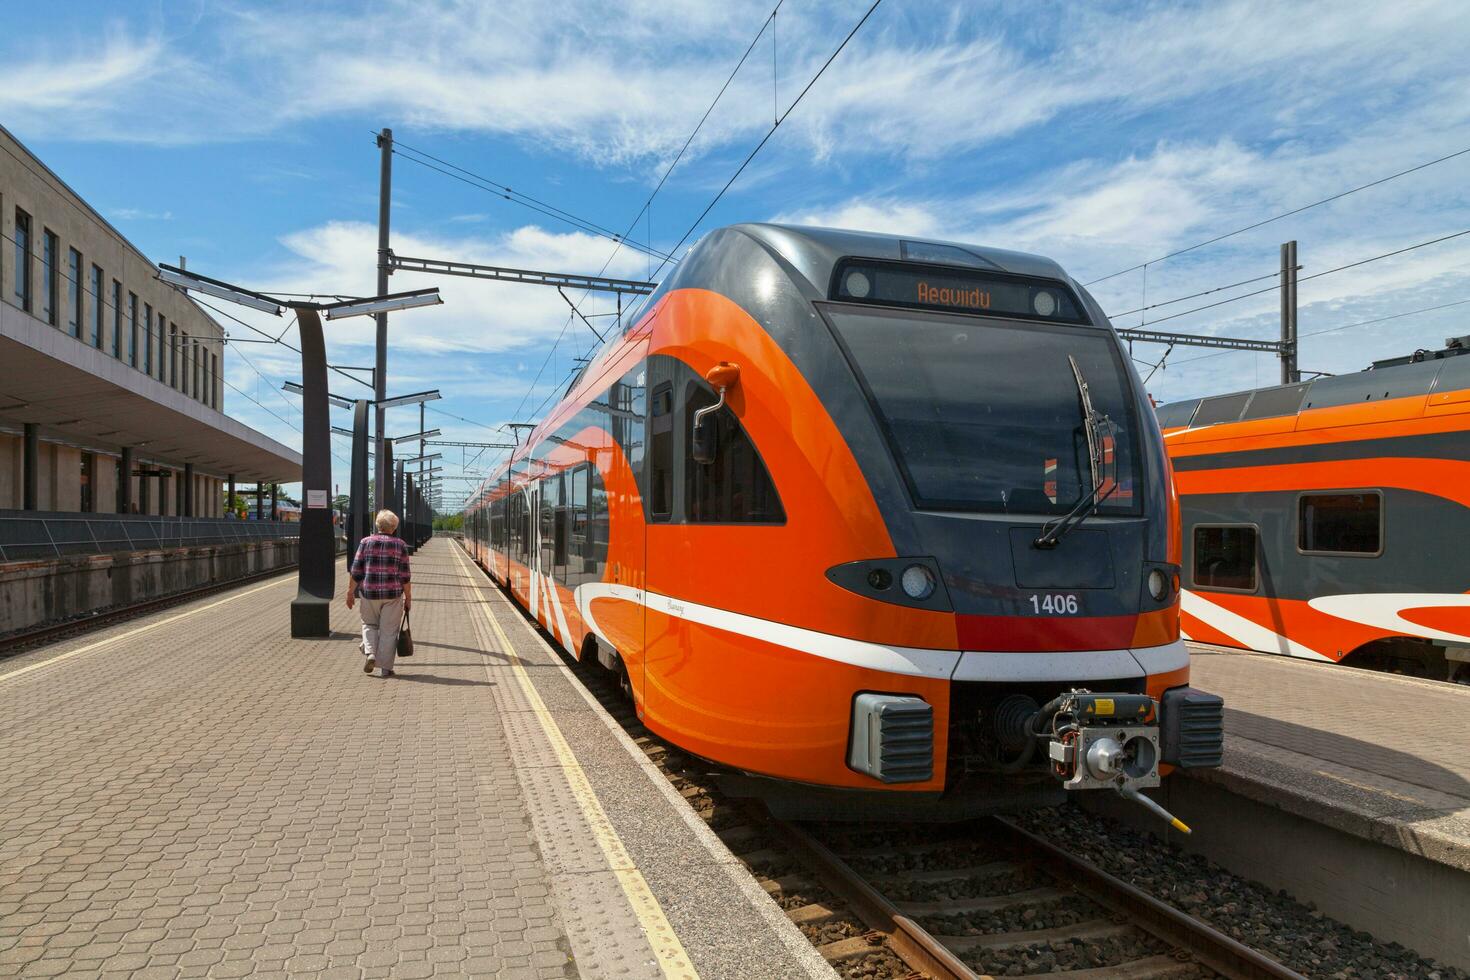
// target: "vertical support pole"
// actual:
[[31, 460], [189, 490], [380, 368], [125, 488], [316, 554], [259, 501], [359, 508], [229, 509], [1289, 372], [276, 498], [1296, 374]]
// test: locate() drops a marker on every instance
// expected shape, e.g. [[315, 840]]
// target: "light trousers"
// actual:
[[381, 619]]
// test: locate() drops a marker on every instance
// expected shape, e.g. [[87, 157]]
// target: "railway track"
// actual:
[[23, 640], [974, 900]]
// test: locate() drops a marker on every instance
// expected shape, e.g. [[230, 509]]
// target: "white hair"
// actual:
[[386, 521]]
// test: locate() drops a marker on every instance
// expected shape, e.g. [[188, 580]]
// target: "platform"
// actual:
[[1348, 788], [1377, 755], [198, 794]]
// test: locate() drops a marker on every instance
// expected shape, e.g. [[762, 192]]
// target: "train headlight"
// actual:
[[1044, 303], [917, 582], [858, 285], [880, 578], [1158, 585]]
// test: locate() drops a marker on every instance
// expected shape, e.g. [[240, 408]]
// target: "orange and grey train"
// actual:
[[1324, 520], [877, 525]]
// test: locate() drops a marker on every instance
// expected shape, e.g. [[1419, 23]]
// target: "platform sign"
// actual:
[[316, 499]]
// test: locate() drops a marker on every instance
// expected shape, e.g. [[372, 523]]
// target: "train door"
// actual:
[[661, 545], [615, 537]]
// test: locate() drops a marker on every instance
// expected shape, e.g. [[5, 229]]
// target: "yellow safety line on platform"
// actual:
[[667, 948], [134, 632]]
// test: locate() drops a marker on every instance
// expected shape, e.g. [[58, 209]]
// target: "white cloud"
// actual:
[[625, 88], [140, 214]]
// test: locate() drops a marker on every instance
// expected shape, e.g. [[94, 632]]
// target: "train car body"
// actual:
[[1327, 520], [795, 503]]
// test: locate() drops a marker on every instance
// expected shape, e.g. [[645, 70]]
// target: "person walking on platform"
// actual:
[[379, 575]]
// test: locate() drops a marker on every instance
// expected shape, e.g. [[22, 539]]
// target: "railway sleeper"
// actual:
[[994, 869], [1094, 929], [850, 948], [1161, 967], [788, 883], [813, 915], [994, 903]]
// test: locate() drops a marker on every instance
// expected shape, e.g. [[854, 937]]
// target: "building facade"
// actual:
[[111, 381]]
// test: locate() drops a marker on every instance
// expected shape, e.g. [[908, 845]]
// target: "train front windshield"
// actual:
[[985, 415]]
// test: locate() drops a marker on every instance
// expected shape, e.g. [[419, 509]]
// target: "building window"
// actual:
[[173, 351], [1340, 523], [89, 482], [74, 292], [133, 337], [735, 488], [50, 297], [214, 381], [23, 260], [162, 346], [1225, 557], [147, 328], [184, 361], [117, 321], [97, 330], [198, 373]]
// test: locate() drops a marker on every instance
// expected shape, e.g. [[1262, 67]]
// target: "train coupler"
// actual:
[[1110, 741]]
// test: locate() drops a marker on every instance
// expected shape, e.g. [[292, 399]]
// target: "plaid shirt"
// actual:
[[380, 567]]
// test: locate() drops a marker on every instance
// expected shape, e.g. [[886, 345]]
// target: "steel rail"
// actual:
[[909, 940]]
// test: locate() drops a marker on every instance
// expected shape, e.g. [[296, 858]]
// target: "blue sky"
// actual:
[[1102, 134]]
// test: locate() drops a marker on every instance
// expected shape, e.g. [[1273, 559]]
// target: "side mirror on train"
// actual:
[[704, 442]]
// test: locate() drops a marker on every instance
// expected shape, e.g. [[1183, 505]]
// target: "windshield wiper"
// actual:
[[1093, 421]]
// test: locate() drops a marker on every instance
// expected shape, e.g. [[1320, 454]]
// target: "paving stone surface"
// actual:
[[197, 794]]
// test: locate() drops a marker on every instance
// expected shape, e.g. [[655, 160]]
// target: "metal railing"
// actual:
[[28, 534]]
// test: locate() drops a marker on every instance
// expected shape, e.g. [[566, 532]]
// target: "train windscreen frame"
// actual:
[[984, 415]]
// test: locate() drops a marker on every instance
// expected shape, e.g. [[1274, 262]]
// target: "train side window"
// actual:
[[1340, 523], [1221, 408], [1225, 557], [578, 545], [661, 452], [736, 487]]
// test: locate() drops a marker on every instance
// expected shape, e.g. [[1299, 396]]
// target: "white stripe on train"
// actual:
[[1077, 665]]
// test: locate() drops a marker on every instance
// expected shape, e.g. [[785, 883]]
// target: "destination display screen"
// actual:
[[954, 290]]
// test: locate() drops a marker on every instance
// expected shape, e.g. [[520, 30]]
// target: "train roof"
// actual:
[[1420, 373]]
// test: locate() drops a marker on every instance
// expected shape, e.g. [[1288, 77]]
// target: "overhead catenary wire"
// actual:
[[1315, 275], [752, 155], [1339, 327], [769, 133], [500, 190], [648, 203], [1285, 214]]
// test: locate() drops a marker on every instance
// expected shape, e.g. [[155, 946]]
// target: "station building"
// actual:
[[111, 384]]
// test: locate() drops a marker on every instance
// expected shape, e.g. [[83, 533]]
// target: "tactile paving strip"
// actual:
[[567, 841], [604, 933], [532, 749]]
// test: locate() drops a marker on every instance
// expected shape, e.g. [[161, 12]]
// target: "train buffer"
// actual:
[[194, 793]]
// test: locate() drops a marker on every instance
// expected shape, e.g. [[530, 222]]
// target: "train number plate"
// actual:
[[1055, 604]]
